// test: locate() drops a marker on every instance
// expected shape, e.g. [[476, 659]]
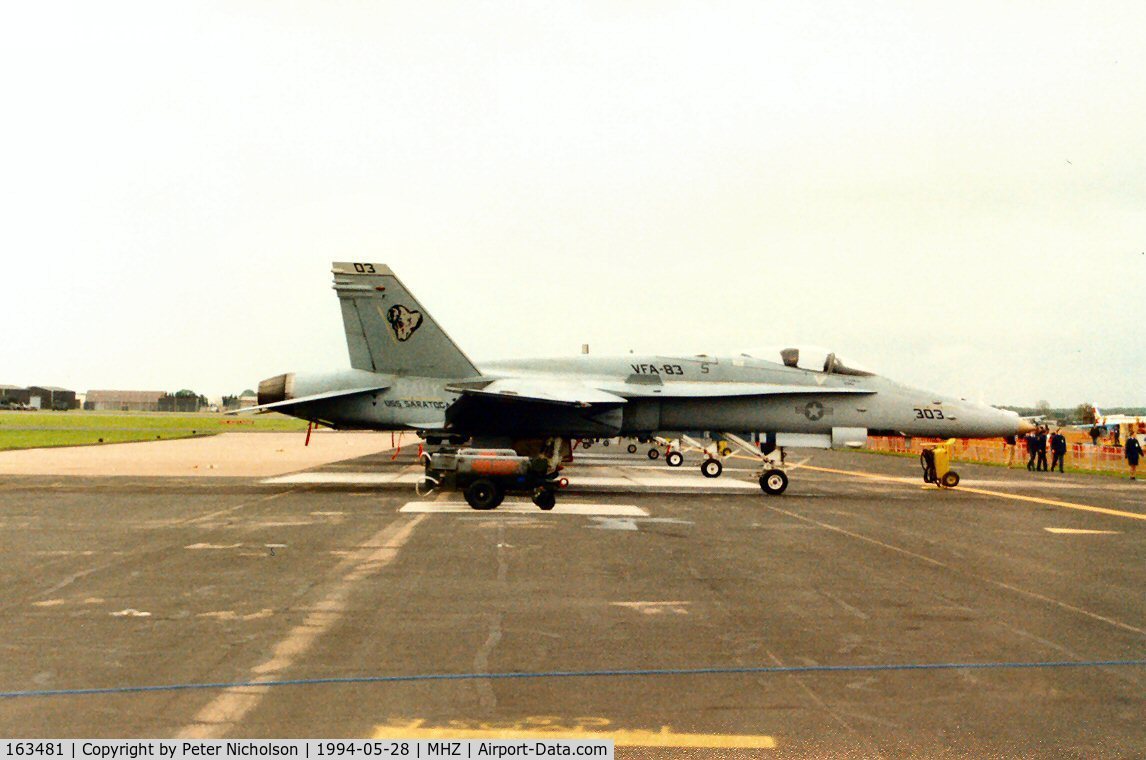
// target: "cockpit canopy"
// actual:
[[813, 359]]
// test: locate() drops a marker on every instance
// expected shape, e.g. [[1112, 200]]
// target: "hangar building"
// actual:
[[124, 401]]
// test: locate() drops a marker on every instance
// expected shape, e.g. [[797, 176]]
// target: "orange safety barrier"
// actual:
[[1080, 455]]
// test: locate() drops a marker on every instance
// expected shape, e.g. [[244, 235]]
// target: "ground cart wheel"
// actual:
[[773, 482], [654, 453], [674, 459], [545, 498], [483, 494], [927, 462], [711, 468], [950, 479], [632, 448]]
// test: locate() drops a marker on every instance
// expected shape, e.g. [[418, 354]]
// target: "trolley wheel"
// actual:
[[773, 482], [483, 494], [711, 468], [605, 442], [544, 498], [632, 448], [674, 459], [950, 479], [654, 453]]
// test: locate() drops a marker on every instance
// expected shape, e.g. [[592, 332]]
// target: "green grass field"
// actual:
[[27, 430]]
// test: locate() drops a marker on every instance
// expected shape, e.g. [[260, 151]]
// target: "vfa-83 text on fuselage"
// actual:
[[407, 374]]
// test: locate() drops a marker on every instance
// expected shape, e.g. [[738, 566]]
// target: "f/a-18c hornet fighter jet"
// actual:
[[407, 374]]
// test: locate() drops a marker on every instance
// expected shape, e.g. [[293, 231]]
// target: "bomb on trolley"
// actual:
[[486, 476]]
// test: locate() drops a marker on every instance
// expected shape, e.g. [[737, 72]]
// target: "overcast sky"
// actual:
[[952, 194]]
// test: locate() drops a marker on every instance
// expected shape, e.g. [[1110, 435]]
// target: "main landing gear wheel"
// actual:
[[654, 453], [483, 494], [545, 498], [950, 479], [773, 482], [674, 459], [632, 448], [711, 468]]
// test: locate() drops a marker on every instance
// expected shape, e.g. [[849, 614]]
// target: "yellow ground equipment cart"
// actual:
[[936, 462]]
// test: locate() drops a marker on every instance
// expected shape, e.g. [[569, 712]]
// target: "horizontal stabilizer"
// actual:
[[325, 396]]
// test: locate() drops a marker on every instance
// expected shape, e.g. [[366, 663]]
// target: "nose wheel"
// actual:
[[773, 482], [711, 468]]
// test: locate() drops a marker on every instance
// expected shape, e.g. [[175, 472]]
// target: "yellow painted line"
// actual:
[[1056, 503], [1082, 532], [620, 737], [985, 492]]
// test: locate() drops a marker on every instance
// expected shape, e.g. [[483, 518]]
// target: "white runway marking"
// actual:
[[222, 714], [663, 481], [668, 483], [655, 608], [345, 478], [1082, 532], [526, 507]]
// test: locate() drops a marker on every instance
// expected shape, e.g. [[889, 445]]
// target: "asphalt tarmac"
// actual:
[[861, 614]]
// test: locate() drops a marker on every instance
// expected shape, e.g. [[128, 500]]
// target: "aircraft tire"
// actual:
[[950, 479], [773, 482], [654, 453], [545, 499], [605, 442], [674, 459], [711, 468], [632, 448], [483, 494]]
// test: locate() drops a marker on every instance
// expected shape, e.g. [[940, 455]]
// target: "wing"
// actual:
[[532, 406], [543, 390]]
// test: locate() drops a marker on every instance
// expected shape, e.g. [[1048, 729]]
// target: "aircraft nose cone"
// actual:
[[1025, 426]]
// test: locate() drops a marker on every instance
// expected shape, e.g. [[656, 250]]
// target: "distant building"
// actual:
[[15, 394], [244, 400], [123, 401], [51, 397]]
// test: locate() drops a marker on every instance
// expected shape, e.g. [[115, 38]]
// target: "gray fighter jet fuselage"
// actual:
[[409, 375]]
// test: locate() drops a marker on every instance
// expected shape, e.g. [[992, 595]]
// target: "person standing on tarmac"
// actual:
[[1029, 440], [1058, 450], [1095, 432], [1133, 453], [1041, 450]]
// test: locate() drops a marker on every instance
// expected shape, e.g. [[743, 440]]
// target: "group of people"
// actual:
[[1037, 443]]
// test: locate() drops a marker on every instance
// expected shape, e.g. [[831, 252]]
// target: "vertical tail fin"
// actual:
[[387, 330]]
